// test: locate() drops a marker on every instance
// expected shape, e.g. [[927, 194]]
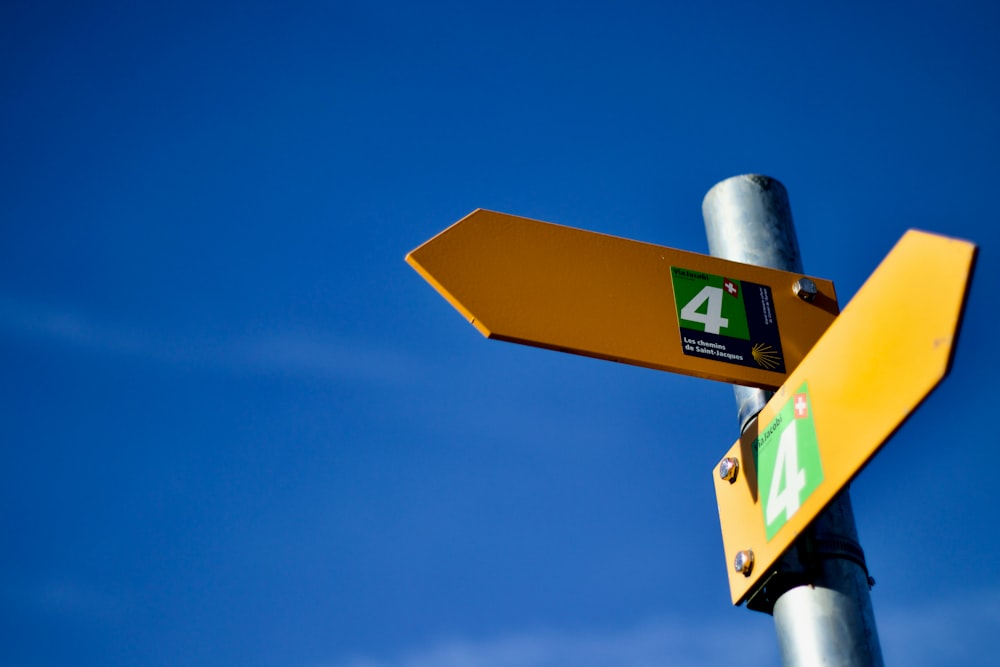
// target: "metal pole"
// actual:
[[818, 592]]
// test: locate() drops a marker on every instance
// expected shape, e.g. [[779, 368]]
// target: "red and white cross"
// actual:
[[801, 406]]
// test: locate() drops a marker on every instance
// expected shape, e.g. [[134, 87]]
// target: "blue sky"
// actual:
[[237, 429]]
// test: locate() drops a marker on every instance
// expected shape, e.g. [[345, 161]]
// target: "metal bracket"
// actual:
[[800, 565]]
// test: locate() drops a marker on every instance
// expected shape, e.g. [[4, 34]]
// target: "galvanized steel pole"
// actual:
[[818, 592]]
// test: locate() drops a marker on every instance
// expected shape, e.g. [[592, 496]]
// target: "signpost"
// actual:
[[843, 385], [571, 290], [889, 348]]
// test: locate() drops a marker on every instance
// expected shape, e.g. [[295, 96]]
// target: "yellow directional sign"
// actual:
[[889, 348], [571, 290]]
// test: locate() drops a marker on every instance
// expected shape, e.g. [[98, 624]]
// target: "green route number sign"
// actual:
[[787, 457], [727, 320]]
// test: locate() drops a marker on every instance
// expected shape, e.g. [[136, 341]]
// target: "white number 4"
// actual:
[[712, 317], [788, 480]]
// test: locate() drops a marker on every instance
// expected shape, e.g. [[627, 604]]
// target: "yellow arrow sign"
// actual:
[[889, 348], [571, 290]]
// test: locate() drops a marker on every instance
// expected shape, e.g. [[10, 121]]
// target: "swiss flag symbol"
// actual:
[[801, 404], [731, 288]]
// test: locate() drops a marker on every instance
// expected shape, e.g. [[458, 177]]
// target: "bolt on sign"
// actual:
[[602, 296], [886, 352]]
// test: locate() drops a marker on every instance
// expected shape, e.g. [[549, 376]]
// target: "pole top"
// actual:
[[748, 219], [759, 181]]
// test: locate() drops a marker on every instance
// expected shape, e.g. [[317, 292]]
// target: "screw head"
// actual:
[[805, 289], [743, 563], [729, 467]]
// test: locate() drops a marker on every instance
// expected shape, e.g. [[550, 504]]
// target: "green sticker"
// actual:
[[710, 304], [727, 320], [788, 461]]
